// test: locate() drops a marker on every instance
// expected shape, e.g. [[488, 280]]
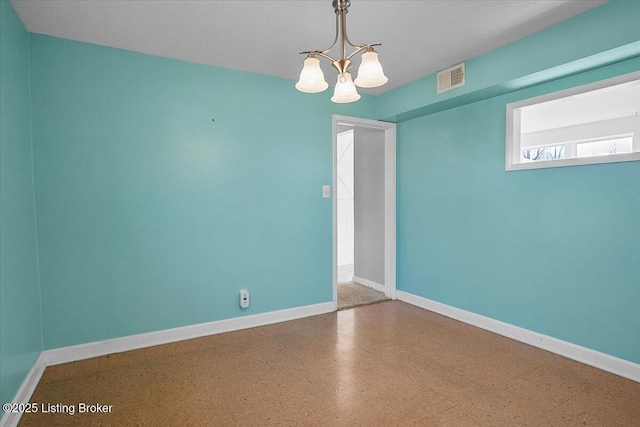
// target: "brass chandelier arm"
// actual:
[[345, 37], [323, 53], [335, 40], [318, 53], [361, 48], [355, 52]]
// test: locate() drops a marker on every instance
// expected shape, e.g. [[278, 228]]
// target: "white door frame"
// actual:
[[389, 200]]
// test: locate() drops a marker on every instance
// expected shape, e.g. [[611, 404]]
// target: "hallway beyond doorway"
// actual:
[[351, 294]]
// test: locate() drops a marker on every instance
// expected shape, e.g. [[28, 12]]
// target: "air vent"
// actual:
[[451, 78]]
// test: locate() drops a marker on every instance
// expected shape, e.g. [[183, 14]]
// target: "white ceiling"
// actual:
[[419, 37]]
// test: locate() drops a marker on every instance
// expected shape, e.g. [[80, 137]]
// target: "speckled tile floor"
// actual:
[[387, 364]]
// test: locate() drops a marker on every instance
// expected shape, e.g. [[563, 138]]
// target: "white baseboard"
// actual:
[[133, 342], [594, 358], [11, 419], [101, 348], [370, 284]]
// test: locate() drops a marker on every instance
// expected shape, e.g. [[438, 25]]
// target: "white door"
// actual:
[[344, 194]]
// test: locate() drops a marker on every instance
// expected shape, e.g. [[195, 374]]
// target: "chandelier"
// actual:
[[370, 73]]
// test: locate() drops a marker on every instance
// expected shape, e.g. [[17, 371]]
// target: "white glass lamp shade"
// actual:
[[345, 90], [370, 73], [311, 77]]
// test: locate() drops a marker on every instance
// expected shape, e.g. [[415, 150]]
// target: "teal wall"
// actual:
[[20, 321], [551, 250], [151, 216]]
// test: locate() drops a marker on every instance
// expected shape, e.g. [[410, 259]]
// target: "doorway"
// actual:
[[364, 250]]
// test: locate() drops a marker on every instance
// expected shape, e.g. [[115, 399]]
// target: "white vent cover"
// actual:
[[451, 78]]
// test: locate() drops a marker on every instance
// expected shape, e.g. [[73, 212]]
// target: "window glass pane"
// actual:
[[543, 154], [594, 123], [607, 107], [606, 147]]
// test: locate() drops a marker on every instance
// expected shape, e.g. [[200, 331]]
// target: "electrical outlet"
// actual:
[[244, 298]]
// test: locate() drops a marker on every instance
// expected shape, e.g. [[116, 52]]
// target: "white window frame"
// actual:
[[513, 146]]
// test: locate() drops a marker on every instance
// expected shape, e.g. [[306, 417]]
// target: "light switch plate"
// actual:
[[326, 191]]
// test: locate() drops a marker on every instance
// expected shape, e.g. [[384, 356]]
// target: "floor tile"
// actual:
[[384, 364]]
